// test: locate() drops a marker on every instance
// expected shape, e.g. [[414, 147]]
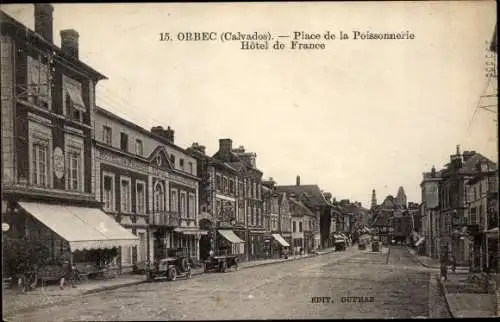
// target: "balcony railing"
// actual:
[[164, 218]]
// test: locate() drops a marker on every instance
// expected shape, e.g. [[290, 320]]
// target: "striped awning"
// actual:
[[230, 236], [82, 227], [281, 240]]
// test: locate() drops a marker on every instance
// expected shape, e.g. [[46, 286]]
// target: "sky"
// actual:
[[355, 116]]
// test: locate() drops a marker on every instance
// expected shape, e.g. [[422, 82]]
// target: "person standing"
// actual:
[[67, 269]]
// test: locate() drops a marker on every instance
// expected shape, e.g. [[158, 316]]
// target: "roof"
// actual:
[[312, 194], [481, 175], [35, 39], [300, 205], [469, 166], [138, 128]]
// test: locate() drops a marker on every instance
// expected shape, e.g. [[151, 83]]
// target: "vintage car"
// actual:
[[221, 263], [169, 268]]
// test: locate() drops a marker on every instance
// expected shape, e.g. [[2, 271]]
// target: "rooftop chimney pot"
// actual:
[[297, 181], [69, 42], [44, 20]]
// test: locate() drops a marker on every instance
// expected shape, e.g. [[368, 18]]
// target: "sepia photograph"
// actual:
[[249, 161]]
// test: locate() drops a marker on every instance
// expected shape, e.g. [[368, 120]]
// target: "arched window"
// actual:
[[159, 197]]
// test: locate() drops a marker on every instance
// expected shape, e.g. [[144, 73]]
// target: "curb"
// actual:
[[444, 291], [114, 287], [418, 260]]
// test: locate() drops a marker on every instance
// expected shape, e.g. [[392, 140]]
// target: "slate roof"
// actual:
[[311, 194], [296, 205]]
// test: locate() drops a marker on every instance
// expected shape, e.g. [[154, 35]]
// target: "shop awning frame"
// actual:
[[281, 240], [83, 228], [230, 236]]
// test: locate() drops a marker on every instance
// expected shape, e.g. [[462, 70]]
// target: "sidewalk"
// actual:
[[466, 299], [431, 262], [15, 301]]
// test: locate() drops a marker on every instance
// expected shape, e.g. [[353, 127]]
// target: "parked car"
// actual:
[[221, 263], [169, 268]]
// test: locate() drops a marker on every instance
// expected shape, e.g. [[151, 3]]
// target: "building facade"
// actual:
[[48, 112]]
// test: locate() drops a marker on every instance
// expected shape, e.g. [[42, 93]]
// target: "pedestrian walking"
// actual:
[[68, 271], [444, 271], [453, 264]]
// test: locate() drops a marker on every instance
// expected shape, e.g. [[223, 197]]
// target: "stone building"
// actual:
[[48, 112]]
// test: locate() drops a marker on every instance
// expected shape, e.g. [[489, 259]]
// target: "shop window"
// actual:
[[126, 255]]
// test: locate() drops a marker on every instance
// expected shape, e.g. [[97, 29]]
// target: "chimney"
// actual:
[[468, 154], [297, 181], [225, 149], [167, 134], [44, 20], [170, 134], [433, 172], [69, 42], [198, 147]]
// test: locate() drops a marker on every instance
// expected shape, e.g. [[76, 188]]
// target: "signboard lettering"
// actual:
[[58, 162]]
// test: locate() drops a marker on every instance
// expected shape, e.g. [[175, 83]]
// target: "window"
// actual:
[[39, 89], [140, 194], [191, 206], [181, 164], [73, 169], [138, 147], [108, 189], [172, 160], [231, 186], [107, 135], [174, 201], [159, 197], [300, 227], [241, 189], [125, 195], [294, 226], [191, 169], [73, 105], [224, 185], [217, 182], [124, 142], [40, 166], [183, 204]]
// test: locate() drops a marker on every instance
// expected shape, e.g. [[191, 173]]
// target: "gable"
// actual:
[[160, 159]]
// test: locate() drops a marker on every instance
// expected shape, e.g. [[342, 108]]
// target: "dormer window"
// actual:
[[73, 104], [38, 84]]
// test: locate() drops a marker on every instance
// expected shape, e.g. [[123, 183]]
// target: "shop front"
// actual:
[[281, 247], [44, 235]]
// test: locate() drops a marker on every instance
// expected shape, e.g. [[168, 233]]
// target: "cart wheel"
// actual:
[[188, 274]]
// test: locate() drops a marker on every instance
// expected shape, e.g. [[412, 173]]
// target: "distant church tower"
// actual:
[[401, 198], [374, 200]]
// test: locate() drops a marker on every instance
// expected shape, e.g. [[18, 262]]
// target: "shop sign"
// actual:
[[5, 226], [58, 162]]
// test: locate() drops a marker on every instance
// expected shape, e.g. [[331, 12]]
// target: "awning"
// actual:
[[492, 233], [190, 231], [230, 236], [75, 96], [281, 240], [420, 241], [83, 228]]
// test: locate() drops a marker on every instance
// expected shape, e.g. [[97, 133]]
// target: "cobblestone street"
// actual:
[[399, 289]]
